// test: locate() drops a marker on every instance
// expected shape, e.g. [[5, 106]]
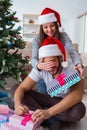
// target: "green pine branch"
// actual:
[[11, 61]]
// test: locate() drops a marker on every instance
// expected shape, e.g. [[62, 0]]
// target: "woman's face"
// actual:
[[49, 29]]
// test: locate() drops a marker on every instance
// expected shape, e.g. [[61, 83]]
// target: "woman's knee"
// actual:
[[41, 86]]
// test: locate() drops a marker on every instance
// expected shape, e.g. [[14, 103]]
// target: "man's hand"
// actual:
[[40, 115], [21, 109]]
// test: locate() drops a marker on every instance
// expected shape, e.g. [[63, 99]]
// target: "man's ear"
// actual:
[[60, 58]]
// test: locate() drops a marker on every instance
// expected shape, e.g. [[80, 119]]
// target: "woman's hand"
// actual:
[[21, 109], [80, 69], [46, 65], [40, 115]]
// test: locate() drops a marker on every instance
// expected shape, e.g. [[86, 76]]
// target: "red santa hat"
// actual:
[[50, 15], [53, 47]]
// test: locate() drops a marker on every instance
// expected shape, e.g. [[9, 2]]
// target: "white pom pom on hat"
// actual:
[[64, 64], [50, 15], [53, 47]]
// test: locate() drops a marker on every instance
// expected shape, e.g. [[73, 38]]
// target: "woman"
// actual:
[[50, 25]]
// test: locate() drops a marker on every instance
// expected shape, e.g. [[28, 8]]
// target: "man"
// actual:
[[65, 106]]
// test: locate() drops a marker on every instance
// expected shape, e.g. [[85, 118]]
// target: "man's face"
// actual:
[[54, 60]]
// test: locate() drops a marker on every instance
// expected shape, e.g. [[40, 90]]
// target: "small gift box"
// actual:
[[24, 122], [63, 82], [6, 116], [2, 122], [4, 109]]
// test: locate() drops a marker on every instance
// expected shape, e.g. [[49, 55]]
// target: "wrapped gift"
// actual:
[[6, 116], [8, 126], [4, 109], [24, 122], [2, 122], [63, 82]]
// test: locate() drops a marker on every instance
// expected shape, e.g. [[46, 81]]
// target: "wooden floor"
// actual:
[[81, 125]]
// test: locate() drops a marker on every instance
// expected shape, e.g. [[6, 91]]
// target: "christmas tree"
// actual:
[[11, 61]]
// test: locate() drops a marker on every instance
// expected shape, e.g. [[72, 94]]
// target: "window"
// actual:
[[82, 33]]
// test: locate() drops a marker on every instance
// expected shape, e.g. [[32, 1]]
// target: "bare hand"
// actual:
[[46, 65], [40, 115], [21, 109], [80, 70]]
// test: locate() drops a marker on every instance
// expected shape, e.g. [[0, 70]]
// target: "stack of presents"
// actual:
[[10, 121]]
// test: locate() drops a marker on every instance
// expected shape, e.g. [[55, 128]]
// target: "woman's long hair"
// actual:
[[43, 36]]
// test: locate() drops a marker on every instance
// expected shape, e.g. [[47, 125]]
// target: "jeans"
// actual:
[[41, 86]]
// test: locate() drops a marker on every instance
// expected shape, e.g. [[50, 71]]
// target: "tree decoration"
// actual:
[[18, 36], [19, 28], [9, 44], [15, 18], [9, 23]]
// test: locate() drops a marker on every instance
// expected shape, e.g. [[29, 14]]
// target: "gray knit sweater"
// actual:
[[67, 44]]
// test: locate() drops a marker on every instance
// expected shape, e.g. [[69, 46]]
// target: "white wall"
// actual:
[[68, 9]]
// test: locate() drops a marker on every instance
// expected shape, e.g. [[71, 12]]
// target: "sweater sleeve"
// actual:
[[69, 47], [34, 56]]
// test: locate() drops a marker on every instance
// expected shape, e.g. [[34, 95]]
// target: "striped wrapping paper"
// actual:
[[24, 122], [62, 82], [8, 126]]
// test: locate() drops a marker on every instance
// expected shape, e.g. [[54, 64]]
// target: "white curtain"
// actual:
[[85, 45]]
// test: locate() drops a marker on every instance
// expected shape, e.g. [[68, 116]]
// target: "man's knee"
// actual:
[[78, 112]]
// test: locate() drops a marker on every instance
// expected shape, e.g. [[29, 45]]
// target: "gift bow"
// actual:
[[60, 79], [26, 119]]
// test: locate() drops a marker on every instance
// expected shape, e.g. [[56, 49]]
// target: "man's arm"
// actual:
[[25, 86], [74, 97]]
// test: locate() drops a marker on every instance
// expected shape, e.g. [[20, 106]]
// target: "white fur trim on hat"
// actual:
[[46, 18], [49, 50], [61, 29], [64, 64]]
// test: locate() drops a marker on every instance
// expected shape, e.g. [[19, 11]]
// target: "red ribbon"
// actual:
[[26, 119], [60, 79]]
